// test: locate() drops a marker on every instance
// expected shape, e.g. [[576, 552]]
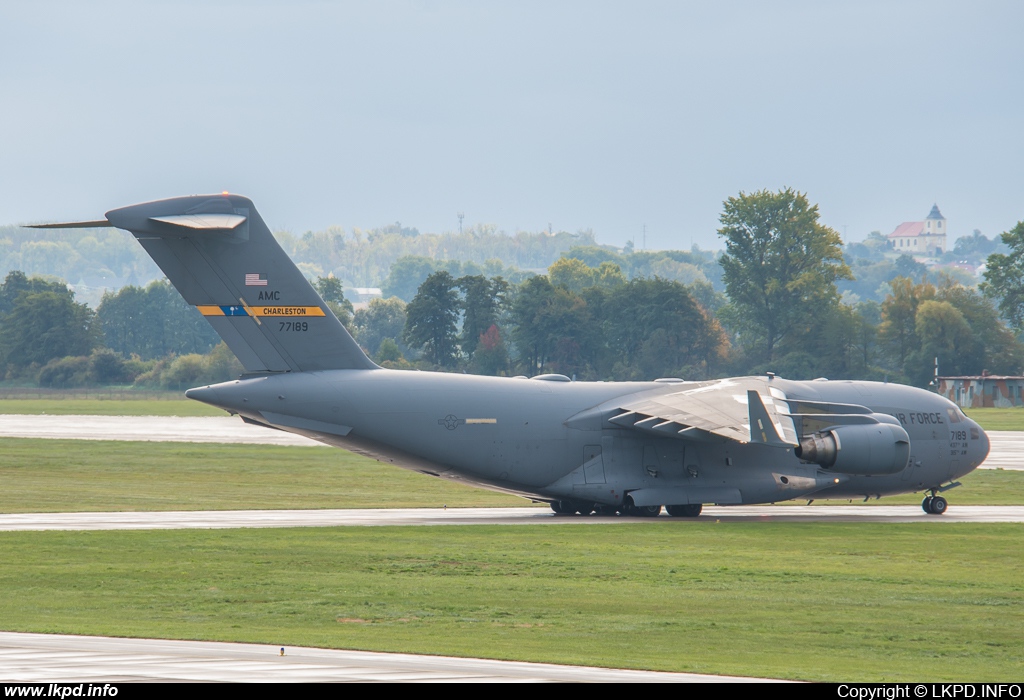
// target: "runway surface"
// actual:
[[222, 519], [226, 429], [1007, 447], [57, 658], [1006, 450]]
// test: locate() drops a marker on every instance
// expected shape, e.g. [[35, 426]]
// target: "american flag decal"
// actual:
[[254, 279]]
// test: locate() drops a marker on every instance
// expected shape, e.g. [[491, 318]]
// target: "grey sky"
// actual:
[[579, 114]]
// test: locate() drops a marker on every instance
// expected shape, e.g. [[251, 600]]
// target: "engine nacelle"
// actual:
[[874, 449]]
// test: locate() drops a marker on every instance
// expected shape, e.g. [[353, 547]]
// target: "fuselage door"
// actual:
[[593, 465]]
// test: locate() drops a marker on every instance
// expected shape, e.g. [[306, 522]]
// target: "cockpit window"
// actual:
[[954, 414]]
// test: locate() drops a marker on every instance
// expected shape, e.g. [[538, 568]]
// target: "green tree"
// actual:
[[842, 344], [406, 275], [382, 319], [491, 356], [608, 276], [153, 322], [17, 283], [593, 255], [551, 326], [975, 247], [104, 367], [1001, 352], [898, 330], [388, 352], [390, 356], [1004, 277], [482, 303], [952, 322], [575, 275], [780, 268], [431, 319], [194, 369], [42, 326], [333, 292], [572, 274], [943, 333], [656, 329]]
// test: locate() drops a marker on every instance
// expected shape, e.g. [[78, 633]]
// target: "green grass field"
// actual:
[[998, 418], [75, 406], [826, 602], [85, 475]]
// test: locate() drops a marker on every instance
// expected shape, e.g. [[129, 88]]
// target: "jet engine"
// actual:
[[872, 449]]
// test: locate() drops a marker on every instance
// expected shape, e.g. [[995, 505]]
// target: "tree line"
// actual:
[[595, 314], [782, 311]]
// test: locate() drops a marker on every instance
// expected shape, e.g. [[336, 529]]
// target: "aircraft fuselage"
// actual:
[[551, 440]]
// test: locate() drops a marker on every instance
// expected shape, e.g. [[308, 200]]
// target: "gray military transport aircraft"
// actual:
[[626, 447]]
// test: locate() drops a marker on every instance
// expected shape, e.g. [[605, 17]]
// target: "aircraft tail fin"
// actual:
[[219, 254]]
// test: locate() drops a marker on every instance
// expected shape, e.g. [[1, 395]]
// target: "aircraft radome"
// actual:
[[630, 447]]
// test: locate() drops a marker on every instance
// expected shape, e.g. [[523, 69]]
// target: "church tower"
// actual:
[[935, 232]]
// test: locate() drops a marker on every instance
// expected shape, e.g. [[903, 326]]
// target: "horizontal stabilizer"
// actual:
[[202, 221], [102, 223]]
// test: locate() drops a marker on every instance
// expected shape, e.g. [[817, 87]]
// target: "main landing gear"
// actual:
[[572, 507], [687, 511], [934, 505]]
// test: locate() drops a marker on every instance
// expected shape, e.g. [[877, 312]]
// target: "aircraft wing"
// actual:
[[745, 409]]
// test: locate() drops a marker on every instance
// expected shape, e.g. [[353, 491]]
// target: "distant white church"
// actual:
[[926, 237]]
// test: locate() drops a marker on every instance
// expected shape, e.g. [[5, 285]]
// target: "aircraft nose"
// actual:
[[979, 447]]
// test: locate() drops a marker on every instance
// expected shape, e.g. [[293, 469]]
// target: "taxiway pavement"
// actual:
[[58, 658], [223, 519], [222, 429], [1006, 450]]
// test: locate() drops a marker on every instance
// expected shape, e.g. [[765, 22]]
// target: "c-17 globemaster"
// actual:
[[627, 447]]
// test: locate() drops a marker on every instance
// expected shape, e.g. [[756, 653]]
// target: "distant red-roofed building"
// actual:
[[926, 237]]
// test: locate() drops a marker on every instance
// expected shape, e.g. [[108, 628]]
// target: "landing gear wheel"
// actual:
[[648, 511], [584, 508], [939, 505], [563, 507], [926, 504], [685, 511]]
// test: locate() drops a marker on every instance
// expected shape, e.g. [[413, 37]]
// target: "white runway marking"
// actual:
[[53, 658], [223, 519]]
